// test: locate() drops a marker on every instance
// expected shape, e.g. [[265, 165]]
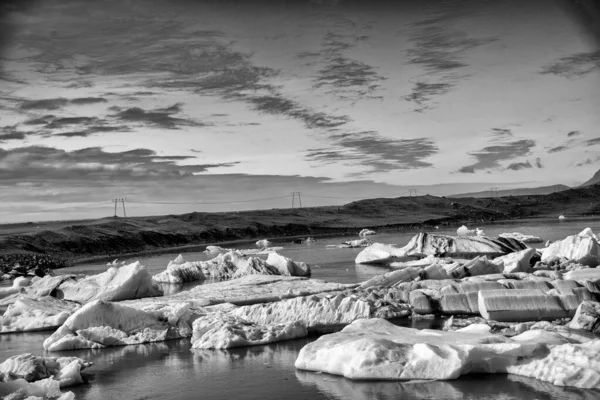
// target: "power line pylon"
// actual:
[[122, 201], [412, 191], [294, 194], [492, 191]]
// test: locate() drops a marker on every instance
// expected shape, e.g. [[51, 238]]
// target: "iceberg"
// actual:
[[324, 311], [366, 232], [515, 262], [18, 286], [46, 389], [377, 349], [521, 237], [224, 331], [263, 243], [34, 314], [580, 249], [117, 283], [587, 317], [65, 370], [231, 265], [100, 324]]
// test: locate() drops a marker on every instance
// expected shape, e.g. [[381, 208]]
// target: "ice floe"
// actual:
[[366, 232], [100, 324], [223, 331], [231, 265], [65, 370], [580, 249], [34, 314], [377, 349], [521, 237]]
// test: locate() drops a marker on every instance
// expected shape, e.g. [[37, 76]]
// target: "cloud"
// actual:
[[422, 93], [379, 154], [538, 163], [439, 51], [37, 162], [519, 166], [94, 129], [573, 133], [44, 104], [88, 100], [46, 119], [11, 133], [490, 157], [592, 142], [160, 117], [579, 64], [280, 105], [558, 148], [501, 132]]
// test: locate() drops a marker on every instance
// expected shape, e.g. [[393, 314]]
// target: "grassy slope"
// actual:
[[80, 239]]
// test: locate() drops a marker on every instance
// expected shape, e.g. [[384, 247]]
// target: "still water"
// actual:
[[171, 370]]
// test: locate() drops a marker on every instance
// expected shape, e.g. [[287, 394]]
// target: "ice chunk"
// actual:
[[587, 232], [322, 311], [366, 232], [231, 265], [263, 243], [223, 331], [587, 317], [379, 253], [425, 244], [33, 314], [18, 286], [521, 237], [100, 323], [246, 290], [580, 249], [377, 349], [117, 283], [521, 305], [287, 266], [516, 262], [65, 370]]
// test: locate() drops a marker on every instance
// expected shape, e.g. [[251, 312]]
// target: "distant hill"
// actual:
[[594, 181], [516, 192]]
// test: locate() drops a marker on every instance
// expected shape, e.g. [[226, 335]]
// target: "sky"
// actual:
[[206, 105]]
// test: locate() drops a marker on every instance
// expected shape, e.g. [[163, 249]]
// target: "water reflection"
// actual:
[[475, 387]]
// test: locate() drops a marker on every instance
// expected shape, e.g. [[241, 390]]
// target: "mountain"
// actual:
[[594, 181], [515, 192]]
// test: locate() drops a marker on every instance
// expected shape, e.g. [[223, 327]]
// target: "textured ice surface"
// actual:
[[32, 314]]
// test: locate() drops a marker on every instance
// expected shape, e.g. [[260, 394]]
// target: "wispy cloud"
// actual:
[[44, 104], [11, 133], [439, 51], [573, 133], [88, 100], [161, 117], [579, 64], [490, 157], [377, 153]]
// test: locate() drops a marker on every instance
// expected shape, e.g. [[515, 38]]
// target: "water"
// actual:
[[171, 370]]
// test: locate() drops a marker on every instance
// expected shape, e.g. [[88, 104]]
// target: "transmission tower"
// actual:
[[492, 191], [122, 201], [294, 194], [412, 191]]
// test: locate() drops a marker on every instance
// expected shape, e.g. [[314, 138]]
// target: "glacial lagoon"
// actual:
[[171, 370]]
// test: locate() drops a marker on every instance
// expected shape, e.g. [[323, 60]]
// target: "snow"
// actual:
[[231, 265], [117, 283], [224, 331], [100, 324], [65, 370], [33, 314], [580, 249]]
